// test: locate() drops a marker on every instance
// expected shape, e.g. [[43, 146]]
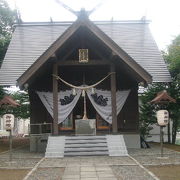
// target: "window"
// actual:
[[101, 123], [68, 123]]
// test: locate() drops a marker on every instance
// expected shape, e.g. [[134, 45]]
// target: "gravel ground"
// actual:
[[86, 161], [131, 173], [151, 156], [124, 168], [21, 159], [47, 174]]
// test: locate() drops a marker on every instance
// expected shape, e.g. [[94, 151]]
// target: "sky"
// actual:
[[164, 14]]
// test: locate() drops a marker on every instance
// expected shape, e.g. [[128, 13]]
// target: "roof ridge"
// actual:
[[96, 22]]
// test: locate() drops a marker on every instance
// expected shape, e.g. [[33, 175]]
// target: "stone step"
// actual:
[[94, 153], [86, 145], [85, 137], [88, 149], [85, 141]]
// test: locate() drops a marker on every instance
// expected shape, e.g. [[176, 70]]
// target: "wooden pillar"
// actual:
[[55, 100], [113, 99]]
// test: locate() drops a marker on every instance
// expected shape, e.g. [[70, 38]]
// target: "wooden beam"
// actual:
[[77, 63], [113, 99], [55, 100]]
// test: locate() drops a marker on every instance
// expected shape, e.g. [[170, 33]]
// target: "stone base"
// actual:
[[132, 140], [38, 142], [85, 127]]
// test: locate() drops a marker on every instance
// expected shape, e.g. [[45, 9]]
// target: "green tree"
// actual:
[[172, 56], [23, 99], [148, 110], [2, 92], [147, 114], [7, 19], [21, 111]]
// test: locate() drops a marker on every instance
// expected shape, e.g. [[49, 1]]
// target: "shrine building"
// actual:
[[84, 70]]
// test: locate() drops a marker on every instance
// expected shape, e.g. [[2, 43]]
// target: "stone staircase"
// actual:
[[86, 146], [107, 145]]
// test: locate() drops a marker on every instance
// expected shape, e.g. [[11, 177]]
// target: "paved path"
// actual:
[[90, 168]]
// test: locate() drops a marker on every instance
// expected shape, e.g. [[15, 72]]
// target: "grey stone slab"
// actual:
[[66, 176], [87, 178], [106, 168], [109, 178], [71, 173], [85, 127], [132, 140], [86, 163], [71, 169], [71, 178], [88, 168], [106, 175]]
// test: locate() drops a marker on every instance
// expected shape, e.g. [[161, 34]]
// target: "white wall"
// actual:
[[155, 133]]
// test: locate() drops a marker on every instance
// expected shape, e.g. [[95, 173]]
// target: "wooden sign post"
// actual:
[[8, 125]]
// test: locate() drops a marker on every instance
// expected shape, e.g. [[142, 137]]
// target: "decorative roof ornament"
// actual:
[[82, 12]]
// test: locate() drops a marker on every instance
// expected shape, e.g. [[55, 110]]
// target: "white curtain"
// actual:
[[65, 109], [104, 109]]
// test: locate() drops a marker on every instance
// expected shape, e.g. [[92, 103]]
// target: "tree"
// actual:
[[148, 110], [172, 56], [7, 19], [23, 99], [21, 111], [147, 114]]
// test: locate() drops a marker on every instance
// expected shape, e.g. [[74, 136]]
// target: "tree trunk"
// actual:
[[174, 131]]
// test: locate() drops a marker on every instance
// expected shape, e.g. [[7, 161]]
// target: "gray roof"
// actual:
[[29, 41]]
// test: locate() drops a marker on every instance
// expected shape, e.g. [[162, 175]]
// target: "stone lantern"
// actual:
[[162, 115]]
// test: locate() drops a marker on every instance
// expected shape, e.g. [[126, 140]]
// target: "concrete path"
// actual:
[[89, 173], [90, 168]]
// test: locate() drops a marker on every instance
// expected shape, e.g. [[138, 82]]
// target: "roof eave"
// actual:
[[147, 78]]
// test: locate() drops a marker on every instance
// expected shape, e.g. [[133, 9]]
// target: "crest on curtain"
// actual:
[[100, 100], [67, 99]]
